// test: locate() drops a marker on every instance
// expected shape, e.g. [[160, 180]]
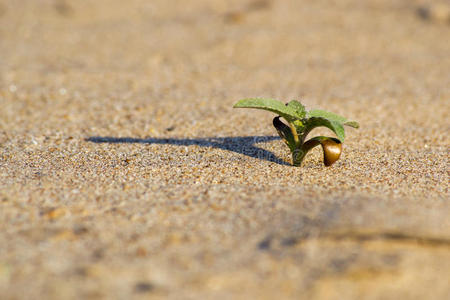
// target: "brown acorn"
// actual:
[[332, 149]]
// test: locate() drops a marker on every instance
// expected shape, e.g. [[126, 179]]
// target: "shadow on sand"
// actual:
[[240, 144]]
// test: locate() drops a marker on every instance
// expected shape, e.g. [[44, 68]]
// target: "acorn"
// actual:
[[332, 149]]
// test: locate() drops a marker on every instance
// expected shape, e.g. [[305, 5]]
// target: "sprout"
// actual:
[[299, 124]]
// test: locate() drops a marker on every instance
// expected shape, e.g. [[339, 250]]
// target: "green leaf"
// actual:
[[332, 117], [326, 115], [285, 111], [353, 124], [335, 126], [298, 108]]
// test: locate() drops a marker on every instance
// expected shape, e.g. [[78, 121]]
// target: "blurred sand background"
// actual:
[[125, 173]]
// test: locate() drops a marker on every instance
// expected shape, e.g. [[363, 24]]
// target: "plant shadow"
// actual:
[[245, 145]]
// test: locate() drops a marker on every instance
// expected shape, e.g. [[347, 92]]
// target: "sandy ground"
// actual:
[[125, 172]]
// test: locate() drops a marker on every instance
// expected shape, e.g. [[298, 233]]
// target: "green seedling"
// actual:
[[300, 123]]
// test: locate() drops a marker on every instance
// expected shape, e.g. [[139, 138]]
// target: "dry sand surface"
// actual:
[[125, 173]]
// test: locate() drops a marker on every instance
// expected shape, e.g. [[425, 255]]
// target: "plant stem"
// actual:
[[297, 157], [299, 153], [295, 134]]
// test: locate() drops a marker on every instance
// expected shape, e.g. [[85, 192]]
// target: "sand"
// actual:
[[126, 173]]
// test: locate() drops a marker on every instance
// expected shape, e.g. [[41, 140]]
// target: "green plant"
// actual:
[[300, 123]]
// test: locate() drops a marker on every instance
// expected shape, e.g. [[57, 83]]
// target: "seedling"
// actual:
[[300, 123]]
